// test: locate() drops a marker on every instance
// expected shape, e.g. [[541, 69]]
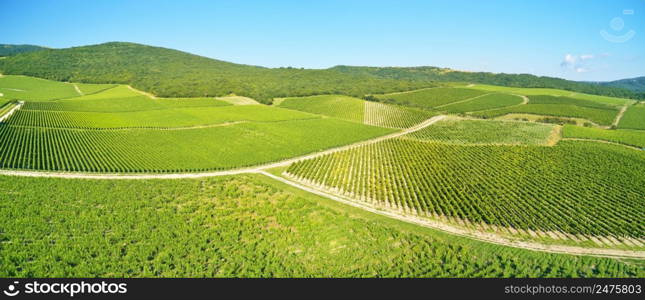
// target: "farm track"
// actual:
[[151, 96], [462, 101], [473, 234], [77, 89], [620, 115], [255, 169]]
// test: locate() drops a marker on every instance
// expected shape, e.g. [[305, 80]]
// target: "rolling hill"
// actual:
[[171, 73], [634, 84], [8, 50]]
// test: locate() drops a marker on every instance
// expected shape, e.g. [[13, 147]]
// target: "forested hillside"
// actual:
[[7, 50], [171, 73]]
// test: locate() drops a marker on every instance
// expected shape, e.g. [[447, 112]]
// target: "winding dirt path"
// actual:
[[619, 115], [151, 96], [254, 169], [473, 234], [78, 90]]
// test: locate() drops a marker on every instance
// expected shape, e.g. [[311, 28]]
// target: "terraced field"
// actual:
[[482, 132], [579, 189]]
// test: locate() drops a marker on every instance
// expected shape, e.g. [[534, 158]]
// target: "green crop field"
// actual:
[[30, 88], [545, 99], [456, 131], [354, 109], [430, 98], [485, 102], [243, 226], [576, 187], [163, 118], [121, 99], [393, 116], [599, 116], [629, 137], [634, 117], [343, 107], [153, 150], [617, 102]]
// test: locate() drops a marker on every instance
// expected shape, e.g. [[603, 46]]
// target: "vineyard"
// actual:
[[243, 226], [599, 116], [628, 137], [342, 107], [576, 190], [393, 116], [162, 118], [153, 150], [458, 131], [430, 98], [490, 101], [354, 109], [634, 117]]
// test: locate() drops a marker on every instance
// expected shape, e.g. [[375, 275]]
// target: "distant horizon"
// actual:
[[576, 40]]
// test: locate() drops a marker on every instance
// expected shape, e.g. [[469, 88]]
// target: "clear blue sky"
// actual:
[[548, 37]]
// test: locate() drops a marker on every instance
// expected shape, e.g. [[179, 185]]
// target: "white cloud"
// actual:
[[581, 63]]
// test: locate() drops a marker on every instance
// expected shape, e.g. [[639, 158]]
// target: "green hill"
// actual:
[[171, 73], [634, 84], [8, 50], [502, 79]]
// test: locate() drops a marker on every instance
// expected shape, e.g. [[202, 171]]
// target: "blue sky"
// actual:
[[548, 37]]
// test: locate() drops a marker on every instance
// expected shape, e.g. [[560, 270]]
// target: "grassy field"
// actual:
[[153, 150], [246, 226], [457, 131], [634, 117], [629, 137], [490, 101], [162, 118], [584, 188], [30, 88], [430, 98]]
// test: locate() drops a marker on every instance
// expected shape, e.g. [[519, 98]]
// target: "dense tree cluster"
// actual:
[[8, 50]]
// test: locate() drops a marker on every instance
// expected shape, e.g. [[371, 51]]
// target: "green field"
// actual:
[[485, 102], [584, 188], [121, 99], [634, 117], [30, 88], [161, 118], [430, 98], [629, 137], [357, 110], [245, 226], [342, 107], [599, 116], [617, 102], [456, 131], [153, 150]]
